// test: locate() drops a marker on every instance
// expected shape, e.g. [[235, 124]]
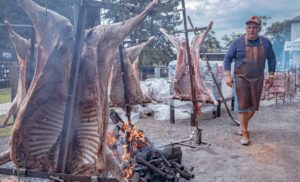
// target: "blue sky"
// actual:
[[230, 15]]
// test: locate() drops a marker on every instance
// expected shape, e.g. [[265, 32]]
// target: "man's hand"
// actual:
[[228, 78], [269, 81]]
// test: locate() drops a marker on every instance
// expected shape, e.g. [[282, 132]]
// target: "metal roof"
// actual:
[[297, 18]]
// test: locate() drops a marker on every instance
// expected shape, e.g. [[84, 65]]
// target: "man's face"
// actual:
[[252, 30]]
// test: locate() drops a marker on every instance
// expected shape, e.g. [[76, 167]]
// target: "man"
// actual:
[[250, 53]]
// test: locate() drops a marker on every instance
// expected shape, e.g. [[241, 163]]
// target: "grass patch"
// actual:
[[4, 95], [5, 131]]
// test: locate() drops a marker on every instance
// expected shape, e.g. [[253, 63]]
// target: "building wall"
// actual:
[[295, 30], [296, 59]]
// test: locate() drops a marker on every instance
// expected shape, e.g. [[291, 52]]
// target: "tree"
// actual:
[[264, 21], [161, 51], [211, 41], [229, 38], [164, 16], [15, 15], [279, 32]]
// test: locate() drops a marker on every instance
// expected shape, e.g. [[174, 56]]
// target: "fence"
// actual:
[[8, 84], [147, 72], [285, 88]]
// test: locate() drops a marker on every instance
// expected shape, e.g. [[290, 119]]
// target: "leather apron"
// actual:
[[250, 77]]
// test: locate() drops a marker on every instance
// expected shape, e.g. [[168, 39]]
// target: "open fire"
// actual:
[[140, 161]]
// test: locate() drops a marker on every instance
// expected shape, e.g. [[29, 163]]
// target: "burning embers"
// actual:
[[140, 161], [129, 138]]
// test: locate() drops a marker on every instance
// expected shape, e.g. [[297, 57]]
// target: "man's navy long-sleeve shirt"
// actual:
[[237, 51]]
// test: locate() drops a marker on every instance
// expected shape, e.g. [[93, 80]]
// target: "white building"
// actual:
[[293, 46]]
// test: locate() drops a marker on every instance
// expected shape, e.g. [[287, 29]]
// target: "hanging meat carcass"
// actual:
[[133, 54], [182, 84], [202, 92], [116, 85], [22, 47], [36, 134], [92, 108]]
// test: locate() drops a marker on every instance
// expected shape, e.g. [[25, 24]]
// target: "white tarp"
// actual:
[[156, 89], [161, 112], [135, 116]]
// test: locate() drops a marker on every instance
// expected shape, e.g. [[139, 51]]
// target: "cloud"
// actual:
[[230, 15]]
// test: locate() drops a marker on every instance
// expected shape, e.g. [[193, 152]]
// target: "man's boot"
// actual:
[[245, 138]]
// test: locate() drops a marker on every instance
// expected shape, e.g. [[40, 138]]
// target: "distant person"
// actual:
[[250, 52]]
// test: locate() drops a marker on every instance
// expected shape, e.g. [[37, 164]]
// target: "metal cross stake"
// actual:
[[66, 134], [125, 79]]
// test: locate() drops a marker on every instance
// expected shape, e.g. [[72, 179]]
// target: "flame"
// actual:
[[111, 139], [128, 173], [134, 139]]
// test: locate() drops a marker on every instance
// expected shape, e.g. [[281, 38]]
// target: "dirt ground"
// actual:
[[273, 155]]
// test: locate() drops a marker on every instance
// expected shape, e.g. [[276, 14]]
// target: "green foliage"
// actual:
[[264, 21], [211, 41], [160, 52], [279, 31], [164, 16], [9, 10], [229, 38]]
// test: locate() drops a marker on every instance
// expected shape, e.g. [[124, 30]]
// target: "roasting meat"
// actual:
[[22, 47], [92, 106], [116, 86], [133, 54], [182, 85], [202, 92], [283, 85], [36, 136]]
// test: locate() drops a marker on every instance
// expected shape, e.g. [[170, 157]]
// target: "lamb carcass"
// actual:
[[36, 134], [202, 92], [182, 85], [92, 107], [134, 52], [22, 47], [116, 86], [284, 84]]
